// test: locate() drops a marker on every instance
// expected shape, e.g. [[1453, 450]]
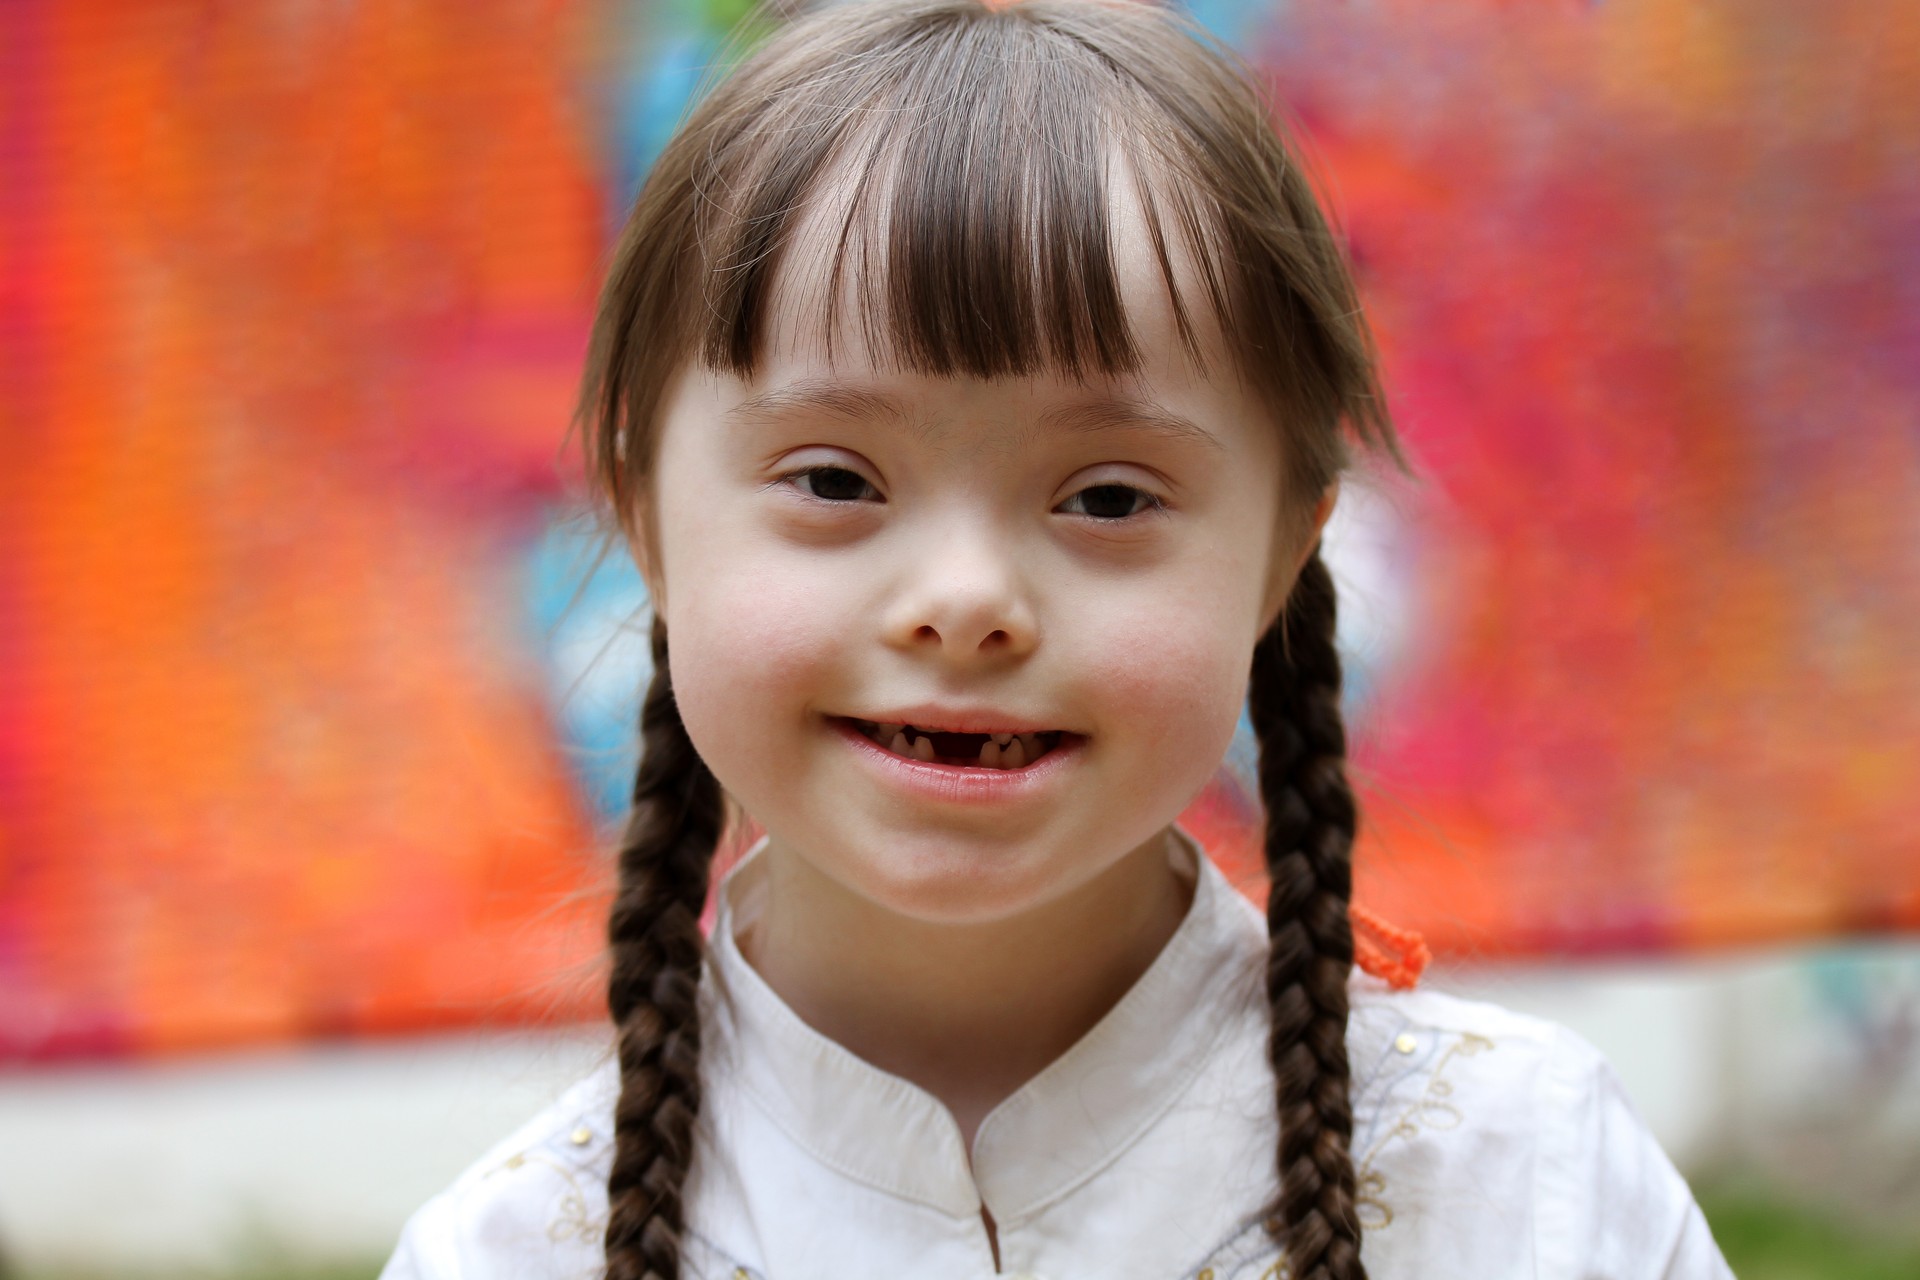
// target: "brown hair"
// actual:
[[976, 140]]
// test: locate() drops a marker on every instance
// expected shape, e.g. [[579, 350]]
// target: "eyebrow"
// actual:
[[1127, 414], [818, 396], [839, 400]]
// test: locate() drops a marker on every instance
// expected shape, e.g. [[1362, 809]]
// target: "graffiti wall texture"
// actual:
[[315, 704]]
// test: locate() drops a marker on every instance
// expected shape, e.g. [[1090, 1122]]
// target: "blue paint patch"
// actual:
[[1232, 21], [590, 613], [652, 104]]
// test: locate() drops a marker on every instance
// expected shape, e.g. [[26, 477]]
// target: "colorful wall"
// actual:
[[315, 704]]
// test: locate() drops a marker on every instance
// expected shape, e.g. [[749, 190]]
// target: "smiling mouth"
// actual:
[[968, 750]]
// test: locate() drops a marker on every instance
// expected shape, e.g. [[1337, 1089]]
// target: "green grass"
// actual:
[[260, 1268], [1766, 1238]]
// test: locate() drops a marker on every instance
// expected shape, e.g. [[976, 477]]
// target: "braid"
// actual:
[[654, 935], [1294, 703]]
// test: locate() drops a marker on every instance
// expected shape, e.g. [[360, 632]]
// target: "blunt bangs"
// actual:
[[967, 189], [953, 169]]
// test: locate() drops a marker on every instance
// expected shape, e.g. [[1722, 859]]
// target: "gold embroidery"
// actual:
[[1432, 1110], [572, 1221], [1373, 1212]]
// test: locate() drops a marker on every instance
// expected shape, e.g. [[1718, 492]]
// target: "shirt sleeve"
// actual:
[[420, 1255], [1611, 1206]]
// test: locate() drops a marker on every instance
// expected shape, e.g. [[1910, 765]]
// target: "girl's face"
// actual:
[[844, 548]]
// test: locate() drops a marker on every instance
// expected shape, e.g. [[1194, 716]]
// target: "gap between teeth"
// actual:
[[999, 751]]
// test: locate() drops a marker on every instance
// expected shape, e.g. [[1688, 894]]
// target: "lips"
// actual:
[[985, 750]]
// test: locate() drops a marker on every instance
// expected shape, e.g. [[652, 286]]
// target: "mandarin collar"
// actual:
[[1057, 1130]]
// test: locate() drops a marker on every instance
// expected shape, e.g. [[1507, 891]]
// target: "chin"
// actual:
[[947, 881]]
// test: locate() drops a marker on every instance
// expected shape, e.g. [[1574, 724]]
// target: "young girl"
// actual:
[[971, 386]]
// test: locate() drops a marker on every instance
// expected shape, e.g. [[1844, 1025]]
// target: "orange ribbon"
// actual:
[[1394, 955]]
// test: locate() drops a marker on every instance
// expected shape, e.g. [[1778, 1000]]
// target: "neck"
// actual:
[[968, 1012]]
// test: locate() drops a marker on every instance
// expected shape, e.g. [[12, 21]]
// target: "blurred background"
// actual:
[[317, 696]]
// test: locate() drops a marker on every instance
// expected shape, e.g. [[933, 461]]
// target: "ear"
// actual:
[[641, 545], [1296, 543], [1322, 512]]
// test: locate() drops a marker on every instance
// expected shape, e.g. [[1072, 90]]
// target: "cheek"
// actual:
[[1185, 688], [751, 648], [1172, 677]]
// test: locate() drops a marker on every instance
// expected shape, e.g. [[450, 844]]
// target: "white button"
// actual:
[[1405, 1042]]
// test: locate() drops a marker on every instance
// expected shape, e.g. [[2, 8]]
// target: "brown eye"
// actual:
[[833, 484], [1110, 502]]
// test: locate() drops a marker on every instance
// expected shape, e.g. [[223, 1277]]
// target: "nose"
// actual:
[[964, 598]]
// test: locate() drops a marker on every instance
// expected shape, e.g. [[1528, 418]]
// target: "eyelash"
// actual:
[[793, 477], [1153, 504]]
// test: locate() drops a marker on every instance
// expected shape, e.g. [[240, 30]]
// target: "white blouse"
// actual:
[[1488, 1145]]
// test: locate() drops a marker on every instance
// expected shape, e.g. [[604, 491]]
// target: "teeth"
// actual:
[[997, 750]]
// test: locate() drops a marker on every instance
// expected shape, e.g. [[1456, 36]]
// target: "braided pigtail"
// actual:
[[654, 934], [1294, 703]]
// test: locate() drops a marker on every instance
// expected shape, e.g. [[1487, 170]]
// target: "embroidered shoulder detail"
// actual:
[[1418, 1058], [1403, 1086], [573, 1216], [580, 1215], [575, 1156]]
